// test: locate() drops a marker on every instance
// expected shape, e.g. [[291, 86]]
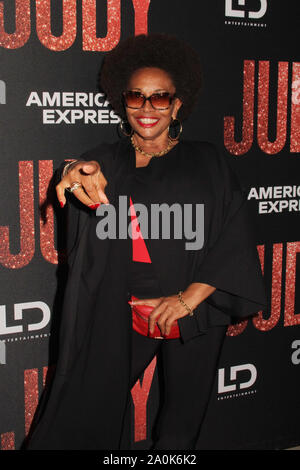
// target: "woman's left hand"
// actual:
[[166, 311], [169, 309]]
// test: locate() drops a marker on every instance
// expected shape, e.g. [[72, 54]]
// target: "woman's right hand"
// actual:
[[93, 182]]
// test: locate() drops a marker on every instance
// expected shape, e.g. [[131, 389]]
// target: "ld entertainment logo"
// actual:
[[2, 92], [238, 15], [241, 380], [43, 318], [41, 315], [231, 12]]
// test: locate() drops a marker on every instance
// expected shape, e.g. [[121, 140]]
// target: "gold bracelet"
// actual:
[[191, 313]]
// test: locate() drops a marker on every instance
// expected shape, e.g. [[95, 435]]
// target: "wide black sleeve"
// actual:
[[104, 154], [231, 262]]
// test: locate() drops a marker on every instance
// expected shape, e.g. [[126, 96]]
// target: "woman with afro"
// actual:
[[186, 268]]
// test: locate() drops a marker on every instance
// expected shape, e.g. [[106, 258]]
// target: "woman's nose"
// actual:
[[147, 106]]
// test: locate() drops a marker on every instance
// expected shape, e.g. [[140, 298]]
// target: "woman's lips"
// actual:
[[147, 121]]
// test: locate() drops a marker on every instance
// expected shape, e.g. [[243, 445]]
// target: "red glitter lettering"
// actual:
[[267, 324], [237, 329], [90, 42], [27, 242], [31, 396], [290, 318], [295, 109], [140, 396], [31, 391], [239, 148], [263, 107], [8, 441], [23, 26], [47, 214], [43, 25], [141, 8]]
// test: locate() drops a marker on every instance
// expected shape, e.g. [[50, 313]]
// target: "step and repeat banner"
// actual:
[[51, 110]]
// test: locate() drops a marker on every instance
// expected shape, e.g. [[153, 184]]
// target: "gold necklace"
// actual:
[[157, 154]]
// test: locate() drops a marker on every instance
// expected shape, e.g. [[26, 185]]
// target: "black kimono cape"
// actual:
[[90, 390]]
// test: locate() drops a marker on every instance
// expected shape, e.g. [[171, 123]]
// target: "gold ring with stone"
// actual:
[[75, 185]]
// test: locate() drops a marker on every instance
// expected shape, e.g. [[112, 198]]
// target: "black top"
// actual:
[[143, 282]]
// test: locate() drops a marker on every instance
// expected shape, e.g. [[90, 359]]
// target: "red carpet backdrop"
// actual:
[[51, 110]]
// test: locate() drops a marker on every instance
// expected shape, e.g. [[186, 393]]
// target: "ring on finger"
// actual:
[[75, 185]]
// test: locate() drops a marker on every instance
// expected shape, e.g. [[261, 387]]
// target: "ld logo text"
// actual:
[[240, 13], [19, 309], [233, 377]]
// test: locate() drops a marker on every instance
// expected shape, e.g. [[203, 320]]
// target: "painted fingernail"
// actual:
[[61, 204], [94, 206]]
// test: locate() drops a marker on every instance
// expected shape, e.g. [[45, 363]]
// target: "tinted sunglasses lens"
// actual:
[[133, 100], [160, 100]]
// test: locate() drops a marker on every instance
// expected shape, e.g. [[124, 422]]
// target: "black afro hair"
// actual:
[[167, 52]]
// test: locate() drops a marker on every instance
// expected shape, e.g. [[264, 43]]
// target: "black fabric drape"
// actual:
[[86, 406]]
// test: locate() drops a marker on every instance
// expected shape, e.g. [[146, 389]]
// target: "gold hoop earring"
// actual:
[[121, 125], [174, 125]]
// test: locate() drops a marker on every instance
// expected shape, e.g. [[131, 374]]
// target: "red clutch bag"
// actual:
[[140, 318]]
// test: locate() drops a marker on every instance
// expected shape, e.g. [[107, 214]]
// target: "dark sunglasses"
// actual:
[[136, 100]]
